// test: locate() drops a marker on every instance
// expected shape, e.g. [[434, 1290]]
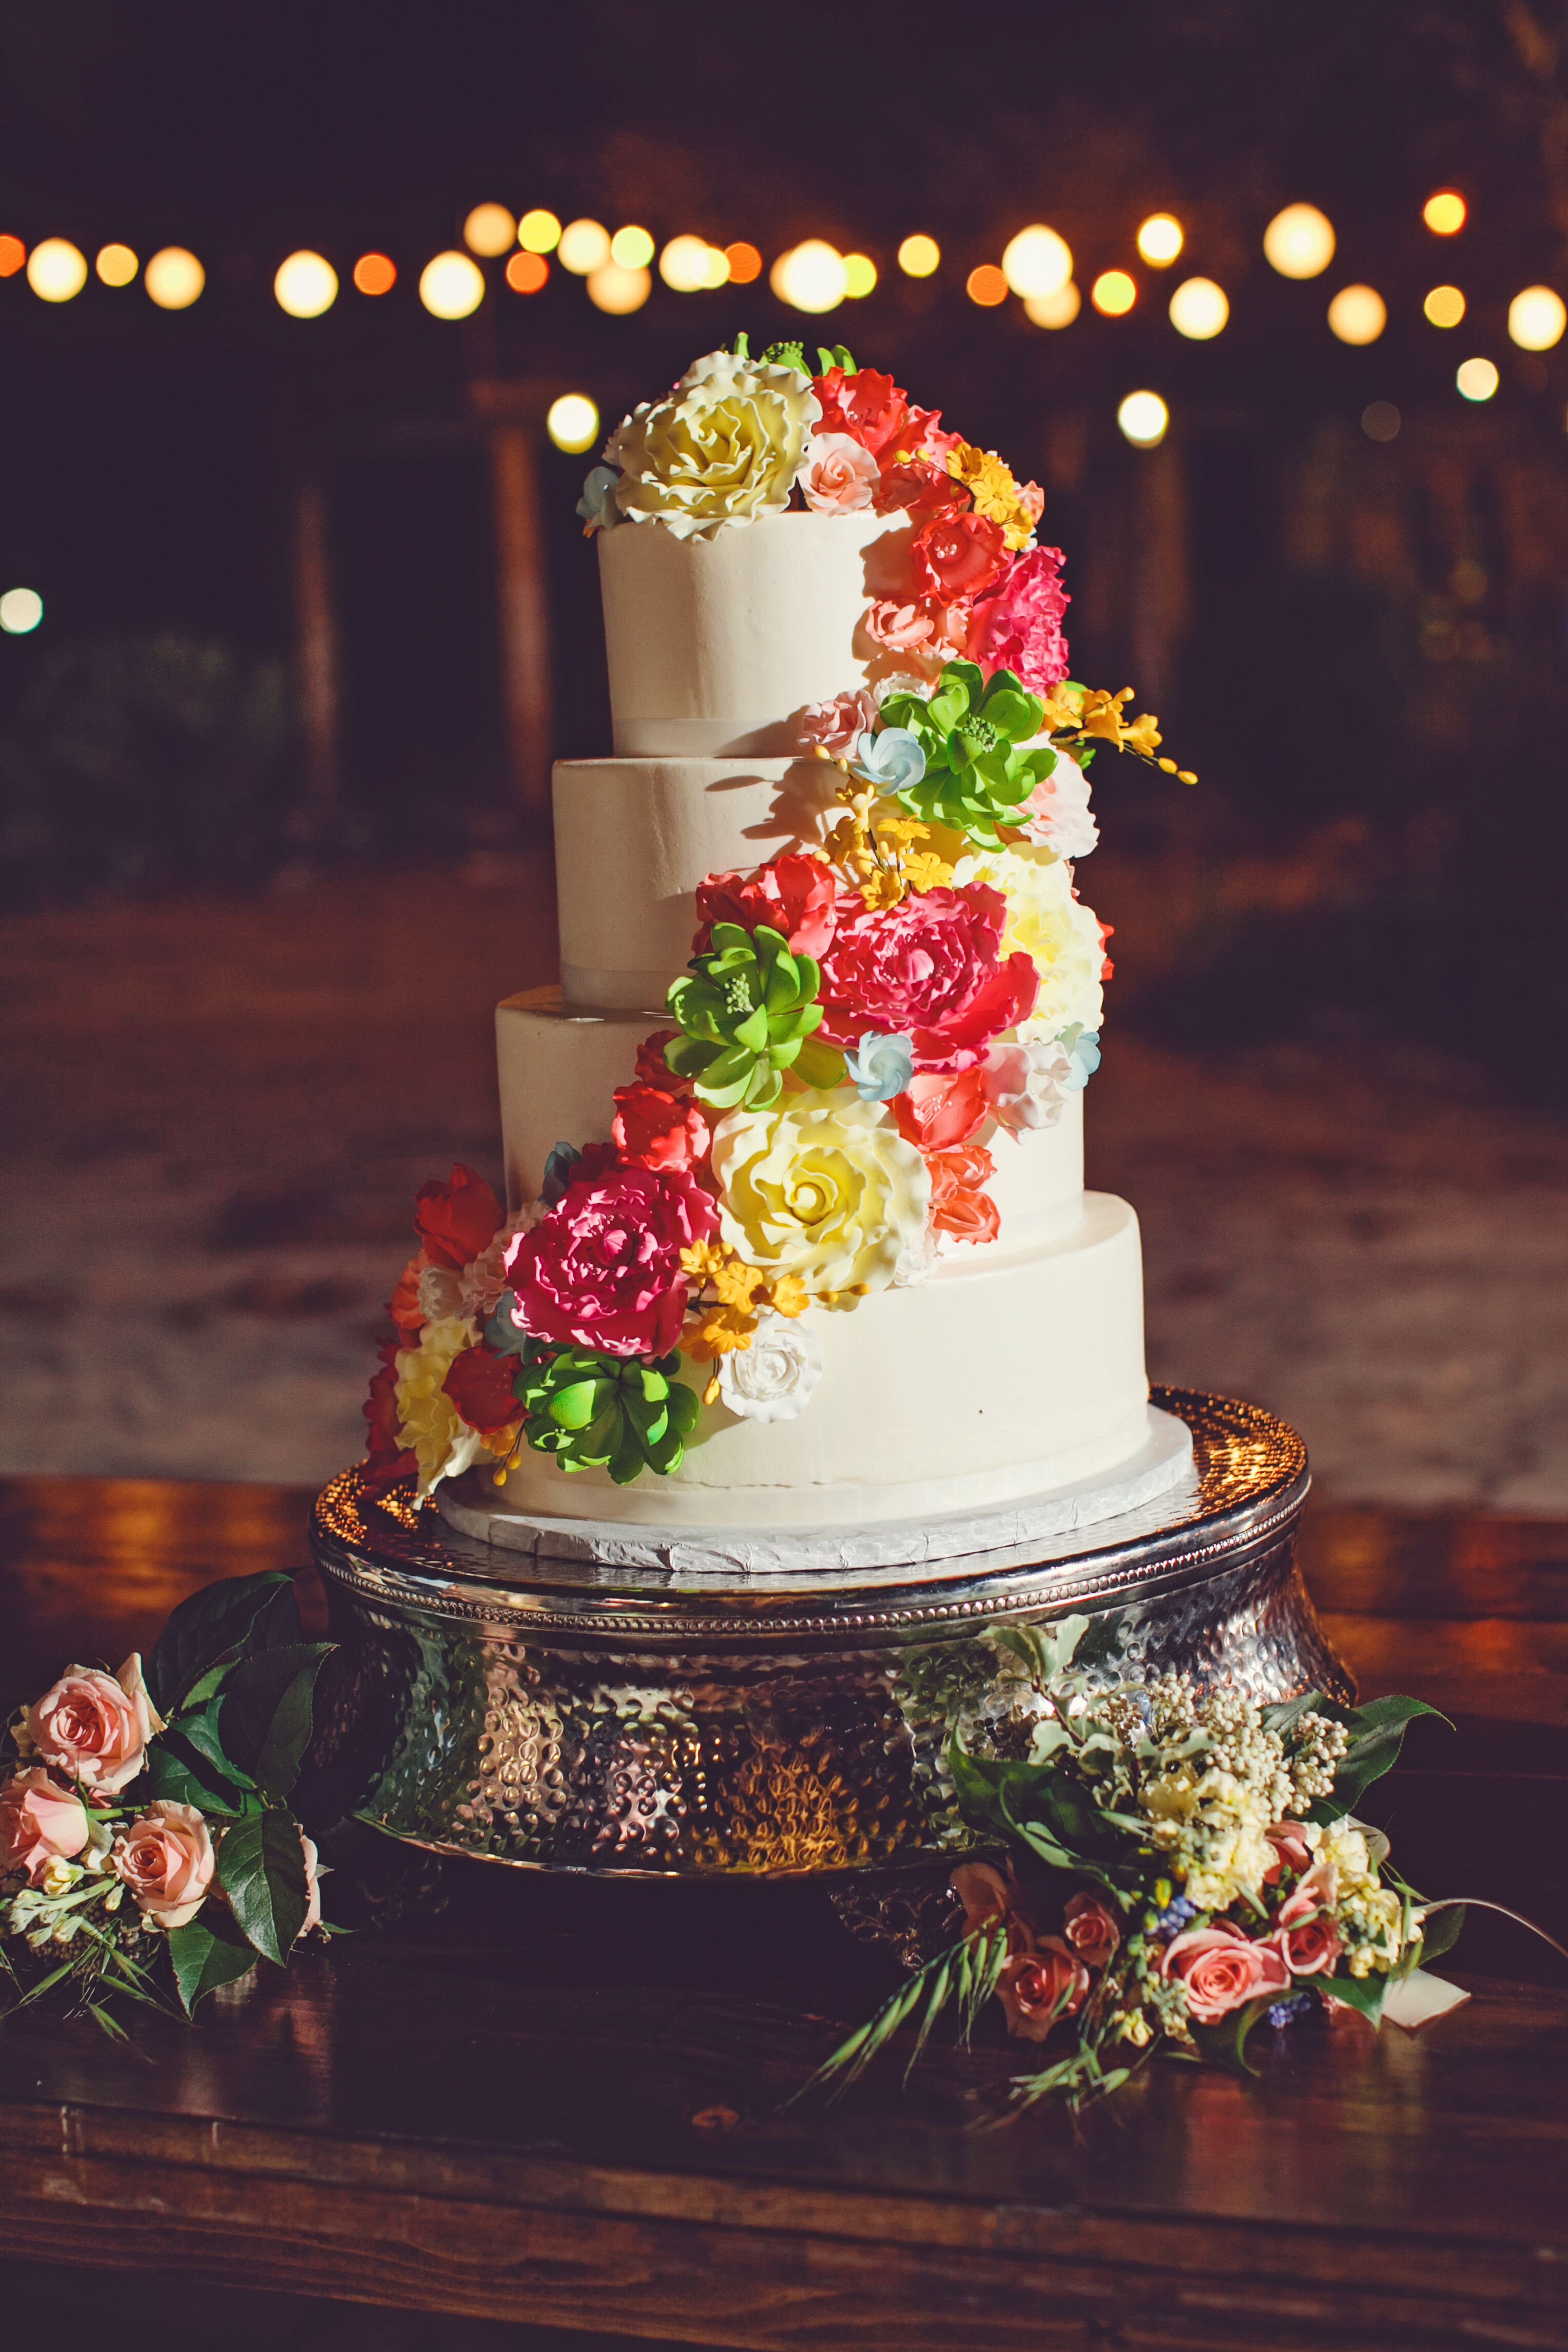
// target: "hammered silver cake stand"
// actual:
[[574, 1715]]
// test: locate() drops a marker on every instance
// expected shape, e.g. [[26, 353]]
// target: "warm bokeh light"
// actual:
[[572, 422], [1114, 292], [630, 248], [1160, 239], [451, 287], [489, 229], [683, 264], [13, 254], [1298, 242], [527, 272], [611, 287], [1058, 310], [56, 269], [584, 246], [809, 276], [860, 276], [1445, 306], [173, 277], [919, 255], [1380, 420], [1199, 309], [375, 273], [1477, 379], [744, 263], [1358, 314], [116, 264], [986, 286], [21, 609], [538, 231], [1445, 213], [1537, 317], [305, 285], [1144, 418], [717, 268], [1037, 261]]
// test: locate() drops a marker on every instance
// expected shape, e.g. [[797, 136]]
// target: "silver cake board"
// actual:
[[677, 1721], [1161, 1463]]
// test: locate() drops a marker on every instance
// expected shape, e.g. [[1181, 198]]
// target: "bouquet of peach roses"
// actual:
[[145, 1831]]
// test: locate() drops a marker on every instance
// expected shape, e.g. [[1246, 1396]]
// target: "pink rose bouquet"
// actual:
[[603, 1269], [929, 968]]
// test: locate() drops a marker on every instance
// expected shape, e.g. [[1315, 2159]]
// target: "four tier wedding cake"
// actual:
[[796, 1234]]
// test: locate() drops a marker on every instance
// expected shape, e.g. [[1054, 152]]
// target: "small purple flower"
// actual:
[[1285, 2012], [1173, 1918]]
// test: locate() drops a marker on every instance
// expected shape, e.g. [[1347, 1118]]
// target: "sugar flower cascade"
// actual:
[[866, 1019]]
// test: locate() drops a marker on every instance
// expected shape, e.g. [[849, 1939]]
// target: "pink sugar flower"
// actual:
[[928, 970], [603, 1270], [1018, 626], [836, 727], [840, 475], [901, 628]]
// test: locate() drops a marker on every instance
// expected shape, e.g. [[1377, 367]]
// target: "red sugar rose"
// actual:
[[386, 1461], [928, 970], [793, 895], [602, 1270], [457, 1219], [939, 1111], [956, 557], [655, 1128], [869, 407], [480, 1385]]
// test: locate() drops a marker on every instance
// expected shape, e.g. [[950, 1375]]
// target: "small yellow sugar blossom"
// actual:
[[429, 1424], [994, 488], [873, 846], [727, 1324]]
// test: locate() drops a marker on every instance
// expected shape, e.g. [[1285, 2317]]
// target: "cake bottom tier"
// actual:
[[1007, 1374]]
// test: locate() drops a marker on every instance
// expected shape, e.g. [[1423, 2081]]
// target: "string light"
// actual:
[[617, 291], [986, 286], [584, 244], [527, 272], [21, 609], [173, 277], [374, 273], [918, 256], [489, 230], [809, 276], [451, 287], [116, 264], [13, 254], [1144, 419], [716, 269], [573, 422], [860, 275], [744, 263], [1536, 319], [1298, 242], [538, 231], [305, 285], [1037, 261], [1358, 314], [684, 264], [1445, 306], [57, 270], [1199, 309], [1477, 379], [1445, 213], [1114, 292], [1160, 239], [1058, 310], [630, 248]]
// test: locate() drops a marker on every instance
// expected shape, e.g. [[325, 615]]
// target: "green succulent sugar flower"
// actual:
[[975, 778], [747, 1009], [594, 1412]]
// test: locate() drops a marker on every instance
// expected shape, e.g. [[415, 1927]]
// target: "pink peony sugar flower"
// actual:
[[795, 895], [40, 1822], [839, 476], [602, 1270], [1041, 1987], [92, 1726], [929, 970], [836, 727], [1222, 1969], [166, 1859], [1090, 1930], [1018, 626]]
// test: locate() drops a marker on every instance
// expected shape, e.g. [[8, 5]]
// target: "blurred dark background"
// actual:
[[270, 722]]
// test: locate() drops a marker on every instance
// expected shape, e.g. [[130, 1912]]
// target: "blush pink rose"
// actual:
[[794, 894], [840, 475], [166, 1859], [1222, 1969], [40, 1822], [1292, 1850], [602, 1270], [990, 1897], [836, 727], [956, 557], [94, 1727], [1039, 1988], [1017, 626], [928, 970], [1305, 1936], [1090, 1930], [901, 628]]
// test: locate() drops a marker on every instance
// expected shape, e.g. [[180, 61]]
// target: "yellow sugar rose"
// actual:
[[723, 447], [429, 1423], [821, 1187], [1050, 924]]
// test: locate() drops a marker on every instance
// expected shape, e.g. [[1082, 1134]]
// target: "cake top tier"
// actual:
[[804, 540]]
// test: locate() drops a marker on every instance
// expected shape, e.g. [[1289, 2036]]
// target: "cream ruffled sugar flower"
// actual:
[[723, 447], [823, 1187], [429, 1424], [1050, 924]]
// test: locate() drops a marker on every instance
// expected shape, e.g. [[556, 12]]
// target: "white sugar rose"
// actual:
[[1059, 818], [723, 447], [1026, 1086], [821, 1186], [773, 1379], [1050, 924]]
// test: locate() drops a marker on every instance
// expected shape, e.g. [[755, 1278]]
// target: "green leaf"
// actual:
[[1378, 1732], [232, 1616], [1288, 1713], [574, 1407], [261, 1868], [1364, 1993], [205, 1956], [1440, 1935], [178, 1771], [264, 1715]]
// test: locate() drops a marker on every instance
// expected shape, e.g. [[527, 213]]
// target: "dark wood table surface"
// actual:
[[561, 2101]]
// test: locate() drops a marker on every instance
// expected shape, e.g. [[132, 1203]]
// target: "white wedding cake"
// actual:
[[795, 1234]]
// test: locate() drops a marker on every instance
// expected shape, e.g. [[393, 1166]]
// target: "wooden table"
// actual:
[[560, 2100]]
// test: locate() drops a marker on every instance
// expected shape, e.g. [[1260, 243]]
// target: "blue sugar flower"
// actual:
[[882, 1066], [597, 506], [892, 760], [1083, 1047]]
